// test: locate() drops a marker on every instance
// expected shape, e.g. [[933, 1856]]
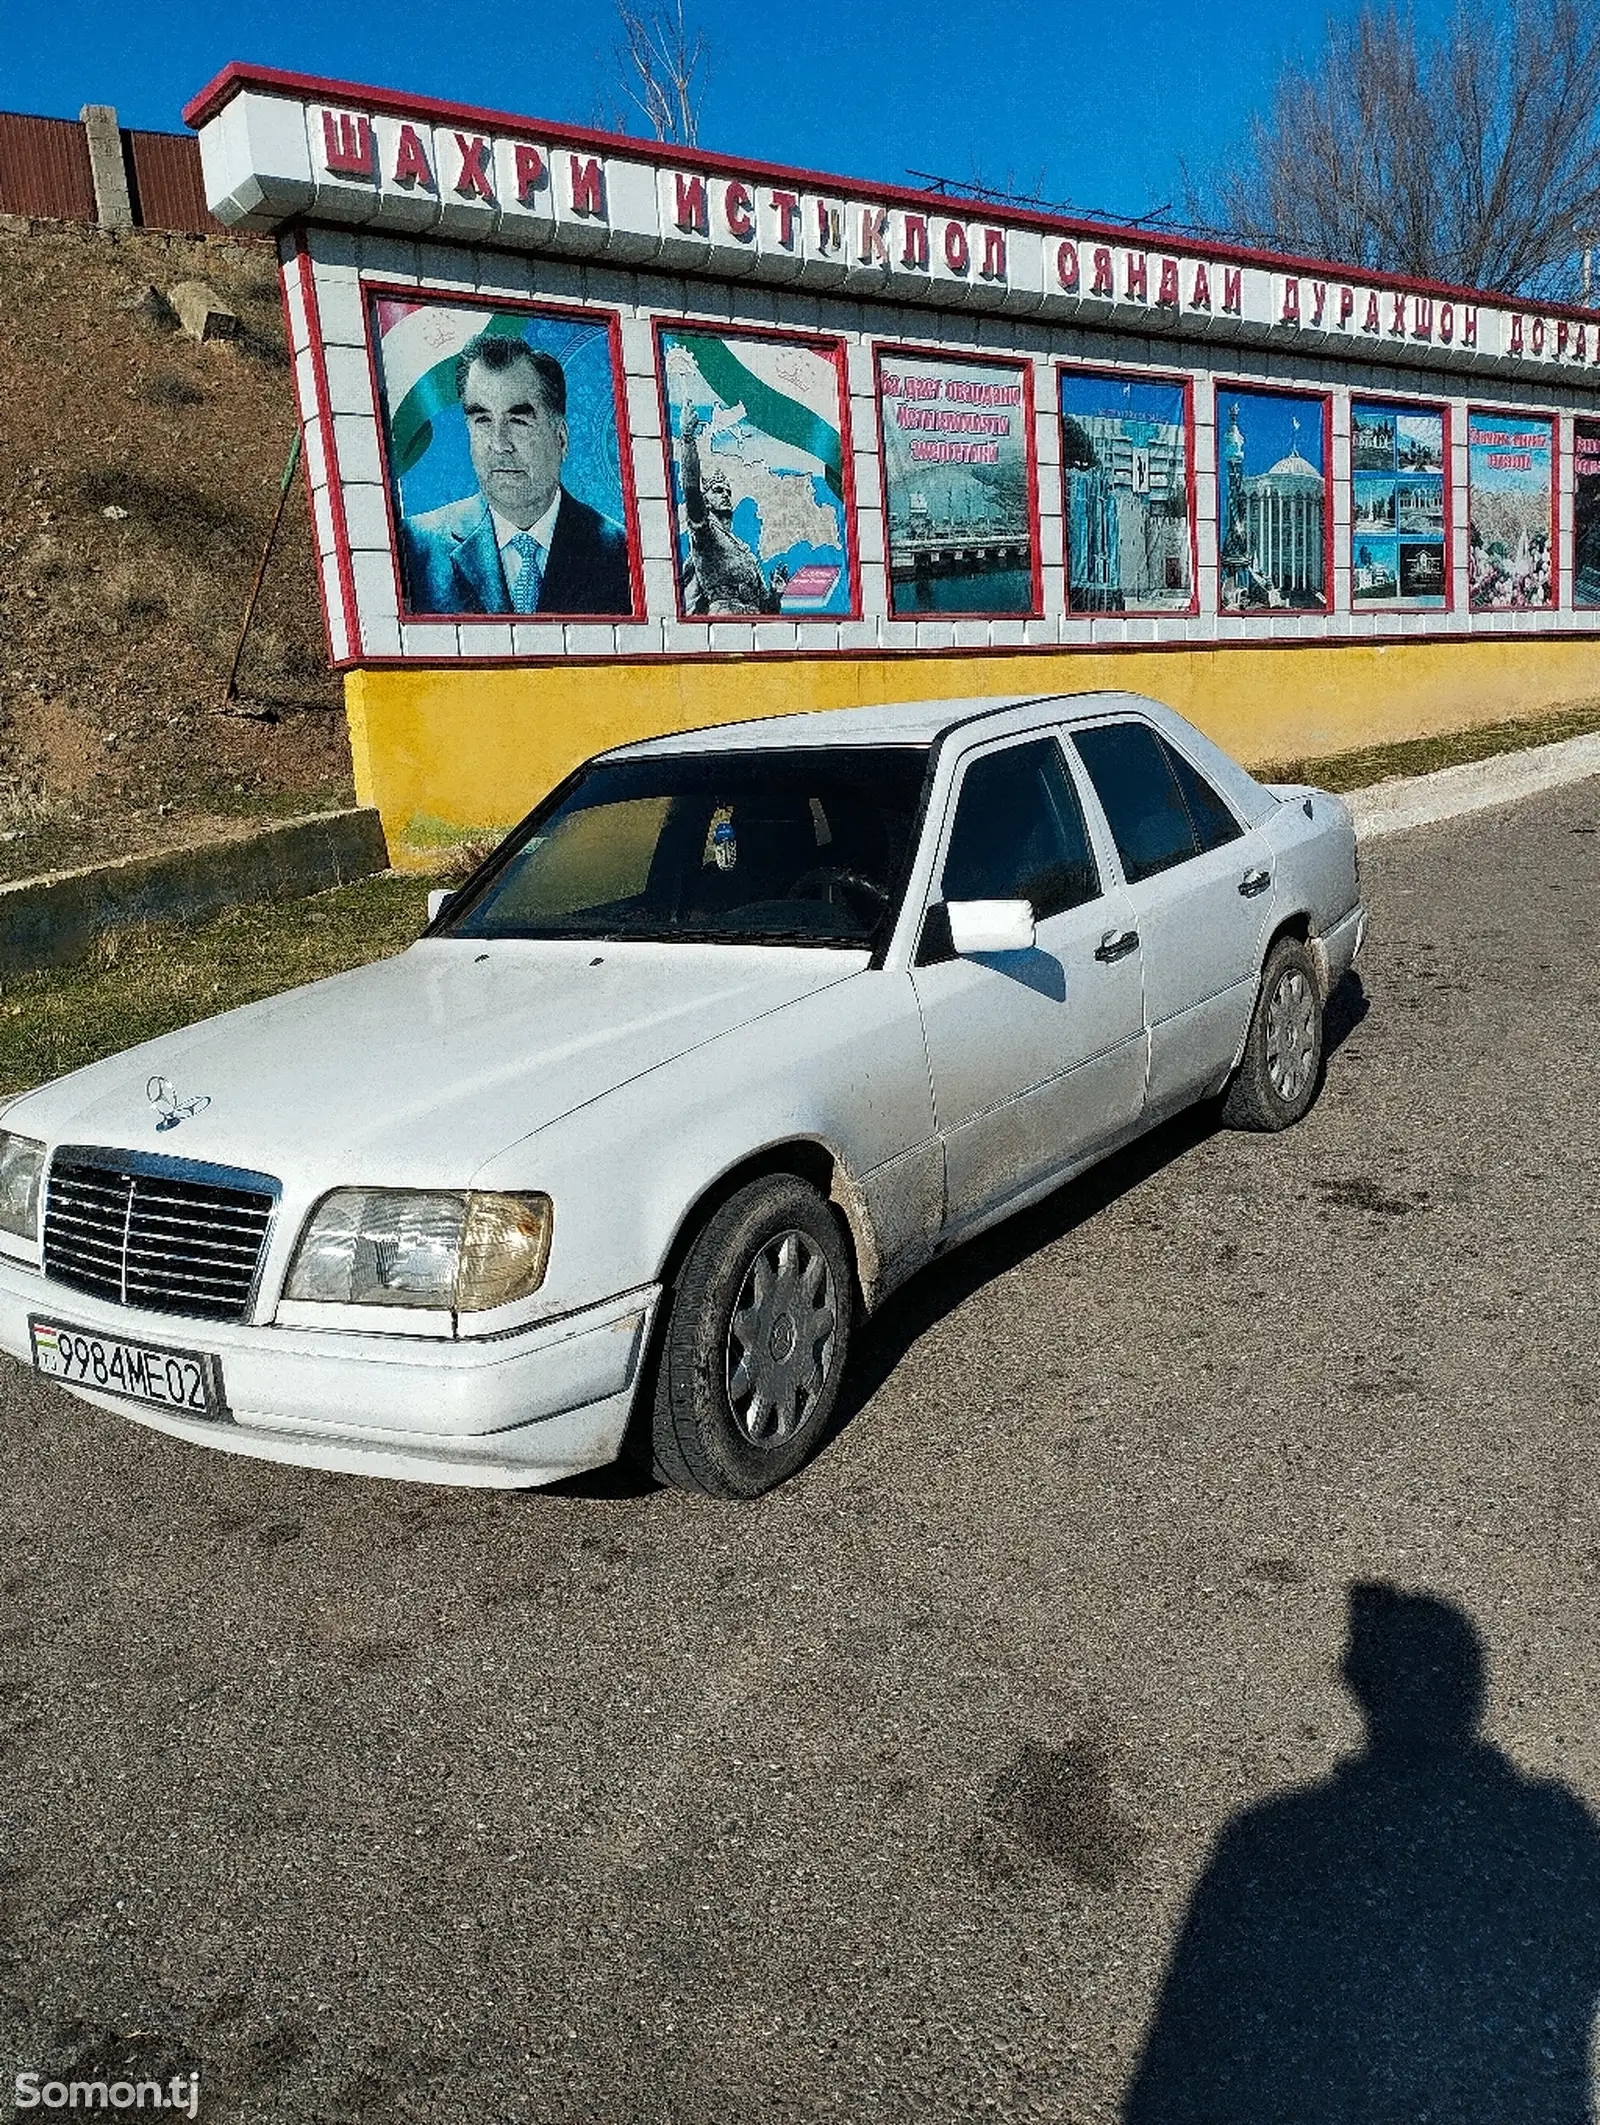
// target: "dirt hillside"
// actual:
[[138, 474]]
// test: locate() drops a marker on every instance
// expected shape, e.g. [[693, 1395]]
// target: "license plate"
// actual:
[[188, 1381]]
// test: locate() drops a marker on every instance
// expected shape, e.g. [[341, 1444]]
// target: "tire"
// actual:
[[1281, 1070], [755, 1344]]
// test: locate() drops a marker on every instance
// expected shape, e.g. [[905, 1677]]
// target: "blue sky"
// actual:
[[1095, 105], [1267, 423]]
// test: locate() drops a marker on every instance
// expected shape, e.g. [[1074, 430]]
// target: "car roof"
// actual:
[[891, 723], [922, 723]]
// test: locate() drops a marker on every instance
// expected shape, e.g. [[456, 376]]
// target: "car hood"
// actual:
[[416, 1070]]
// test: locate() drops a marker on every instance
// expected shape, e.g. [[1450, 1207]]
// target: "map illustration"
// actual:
[[757, 465]]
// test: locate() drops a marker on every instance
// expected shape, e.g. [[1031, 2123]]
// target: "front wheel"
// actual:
[[1281, 1067], [756, 1337]]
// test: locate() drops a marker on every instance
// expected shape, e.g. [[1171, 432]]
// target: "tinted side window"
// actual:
[[1143, 806], [1019, 833], [1213, 822]]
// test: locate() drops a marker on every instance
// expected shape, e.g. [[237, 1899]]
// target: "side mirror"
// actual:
[[979, 926], [438, 901]]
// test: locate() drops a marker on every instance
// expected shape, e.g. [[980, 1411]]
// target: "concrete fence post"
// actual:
[[113, 204]]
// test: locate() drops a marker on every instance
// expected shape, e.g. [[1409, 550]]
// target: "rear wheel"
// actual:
[[756, 1337], [1281, 1068]]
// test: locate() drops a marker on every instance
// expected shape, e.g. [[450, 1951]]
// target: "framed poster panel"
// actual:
[[759, 472], [504, 433], [1399, 506], [1127, 477], [1586, 513], [1510, 511], [1275, 526], [960, 485]]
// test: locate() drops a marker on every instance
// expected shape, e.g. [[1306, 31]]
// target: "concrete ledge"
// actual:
[[1395, 806], [53, 920]]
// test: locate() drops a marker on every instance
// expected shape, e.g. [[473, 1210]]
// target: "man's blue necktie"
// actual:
[[530, 576]]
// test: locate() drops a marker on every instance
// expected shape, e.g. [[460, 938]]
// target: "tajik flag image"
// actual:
[[417, 345]]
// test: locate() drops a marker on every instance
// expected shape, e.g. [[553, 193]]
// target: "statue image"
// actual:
[[727, 575]]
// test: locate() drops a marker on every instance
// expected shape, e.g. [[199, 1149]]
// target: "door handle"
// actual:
[[1254, 882], [1116, 944]]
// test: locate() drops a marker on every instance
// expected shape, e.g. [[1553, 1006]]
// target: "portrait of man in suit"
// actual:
[[524, 543]]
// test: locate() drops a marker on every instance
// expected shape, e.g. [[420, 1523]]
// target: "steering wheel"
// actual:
[[829, 875]]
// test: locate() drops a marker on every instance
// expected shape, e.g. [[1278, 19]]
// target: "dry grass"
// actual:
[[1422, 756], [144, 982]]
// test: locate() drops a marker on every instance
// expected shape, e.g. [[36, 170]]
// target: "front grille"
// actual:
[[161, 1233]]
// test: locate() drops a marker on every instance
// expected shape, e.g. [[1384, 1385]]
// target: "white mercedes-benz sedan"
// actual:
[[734, 1033]]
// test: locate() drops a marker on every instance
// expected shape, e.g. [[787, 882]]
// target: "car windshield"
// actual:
[[794, 847]]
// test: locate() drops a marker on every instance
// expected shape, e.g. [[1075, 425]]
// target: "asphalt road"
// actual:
[[886, 1798]]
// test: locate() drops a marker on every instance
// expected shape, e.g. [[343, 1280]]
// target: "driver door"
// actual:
[[1037, 1058]]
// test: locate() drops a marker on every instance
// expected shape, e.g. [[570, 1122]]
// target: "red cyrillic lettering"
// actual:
[[1067, 264], [1201, 297], [1232, 289], [1469, 328], [411, 160], [1538, 335], [473, 178], [1103, 282], [588, 187], [1137, 268], [1372, 322], [691, 212], [994, 254], [529, 165], [914, 252], [1319, 300], [1447, 322], [738, 208], [1291, 303], [1397, 318], [1347, 305], [787, 208], [874, 236], [347, 144], [1167, 293], [956, 254], [1516, 335], [1422, 317]]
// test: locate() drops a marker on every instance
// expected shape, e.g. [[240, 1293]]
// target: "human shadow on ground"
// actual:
[[1415, 1938], [949, 1280]]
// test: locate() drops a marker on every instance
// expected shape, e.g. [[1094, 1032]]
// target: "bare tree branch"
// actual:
[[662, 67], [1471, 157]]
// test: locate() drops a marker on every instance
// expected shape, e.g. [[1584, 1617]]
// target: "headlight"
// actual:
[[21, 1171], [453, 1249]]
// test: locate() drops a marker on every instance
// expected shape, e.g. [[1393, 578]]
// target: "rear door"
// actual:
[[1037, 1058], [1200, 884]]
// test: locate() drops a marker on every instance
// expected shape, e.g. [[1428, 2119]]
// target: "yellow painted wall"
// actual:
[[447, 753]]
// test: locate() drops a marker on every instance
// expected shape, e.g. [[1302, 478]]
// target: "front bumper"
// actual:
[[509, 1411]]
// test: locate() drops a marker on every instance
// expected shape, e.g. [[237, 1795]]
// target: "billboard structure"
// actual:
[[573, 401]]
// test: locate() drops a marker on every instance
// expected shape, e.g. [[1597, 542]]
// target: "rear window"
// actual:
[[1143, 805]]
